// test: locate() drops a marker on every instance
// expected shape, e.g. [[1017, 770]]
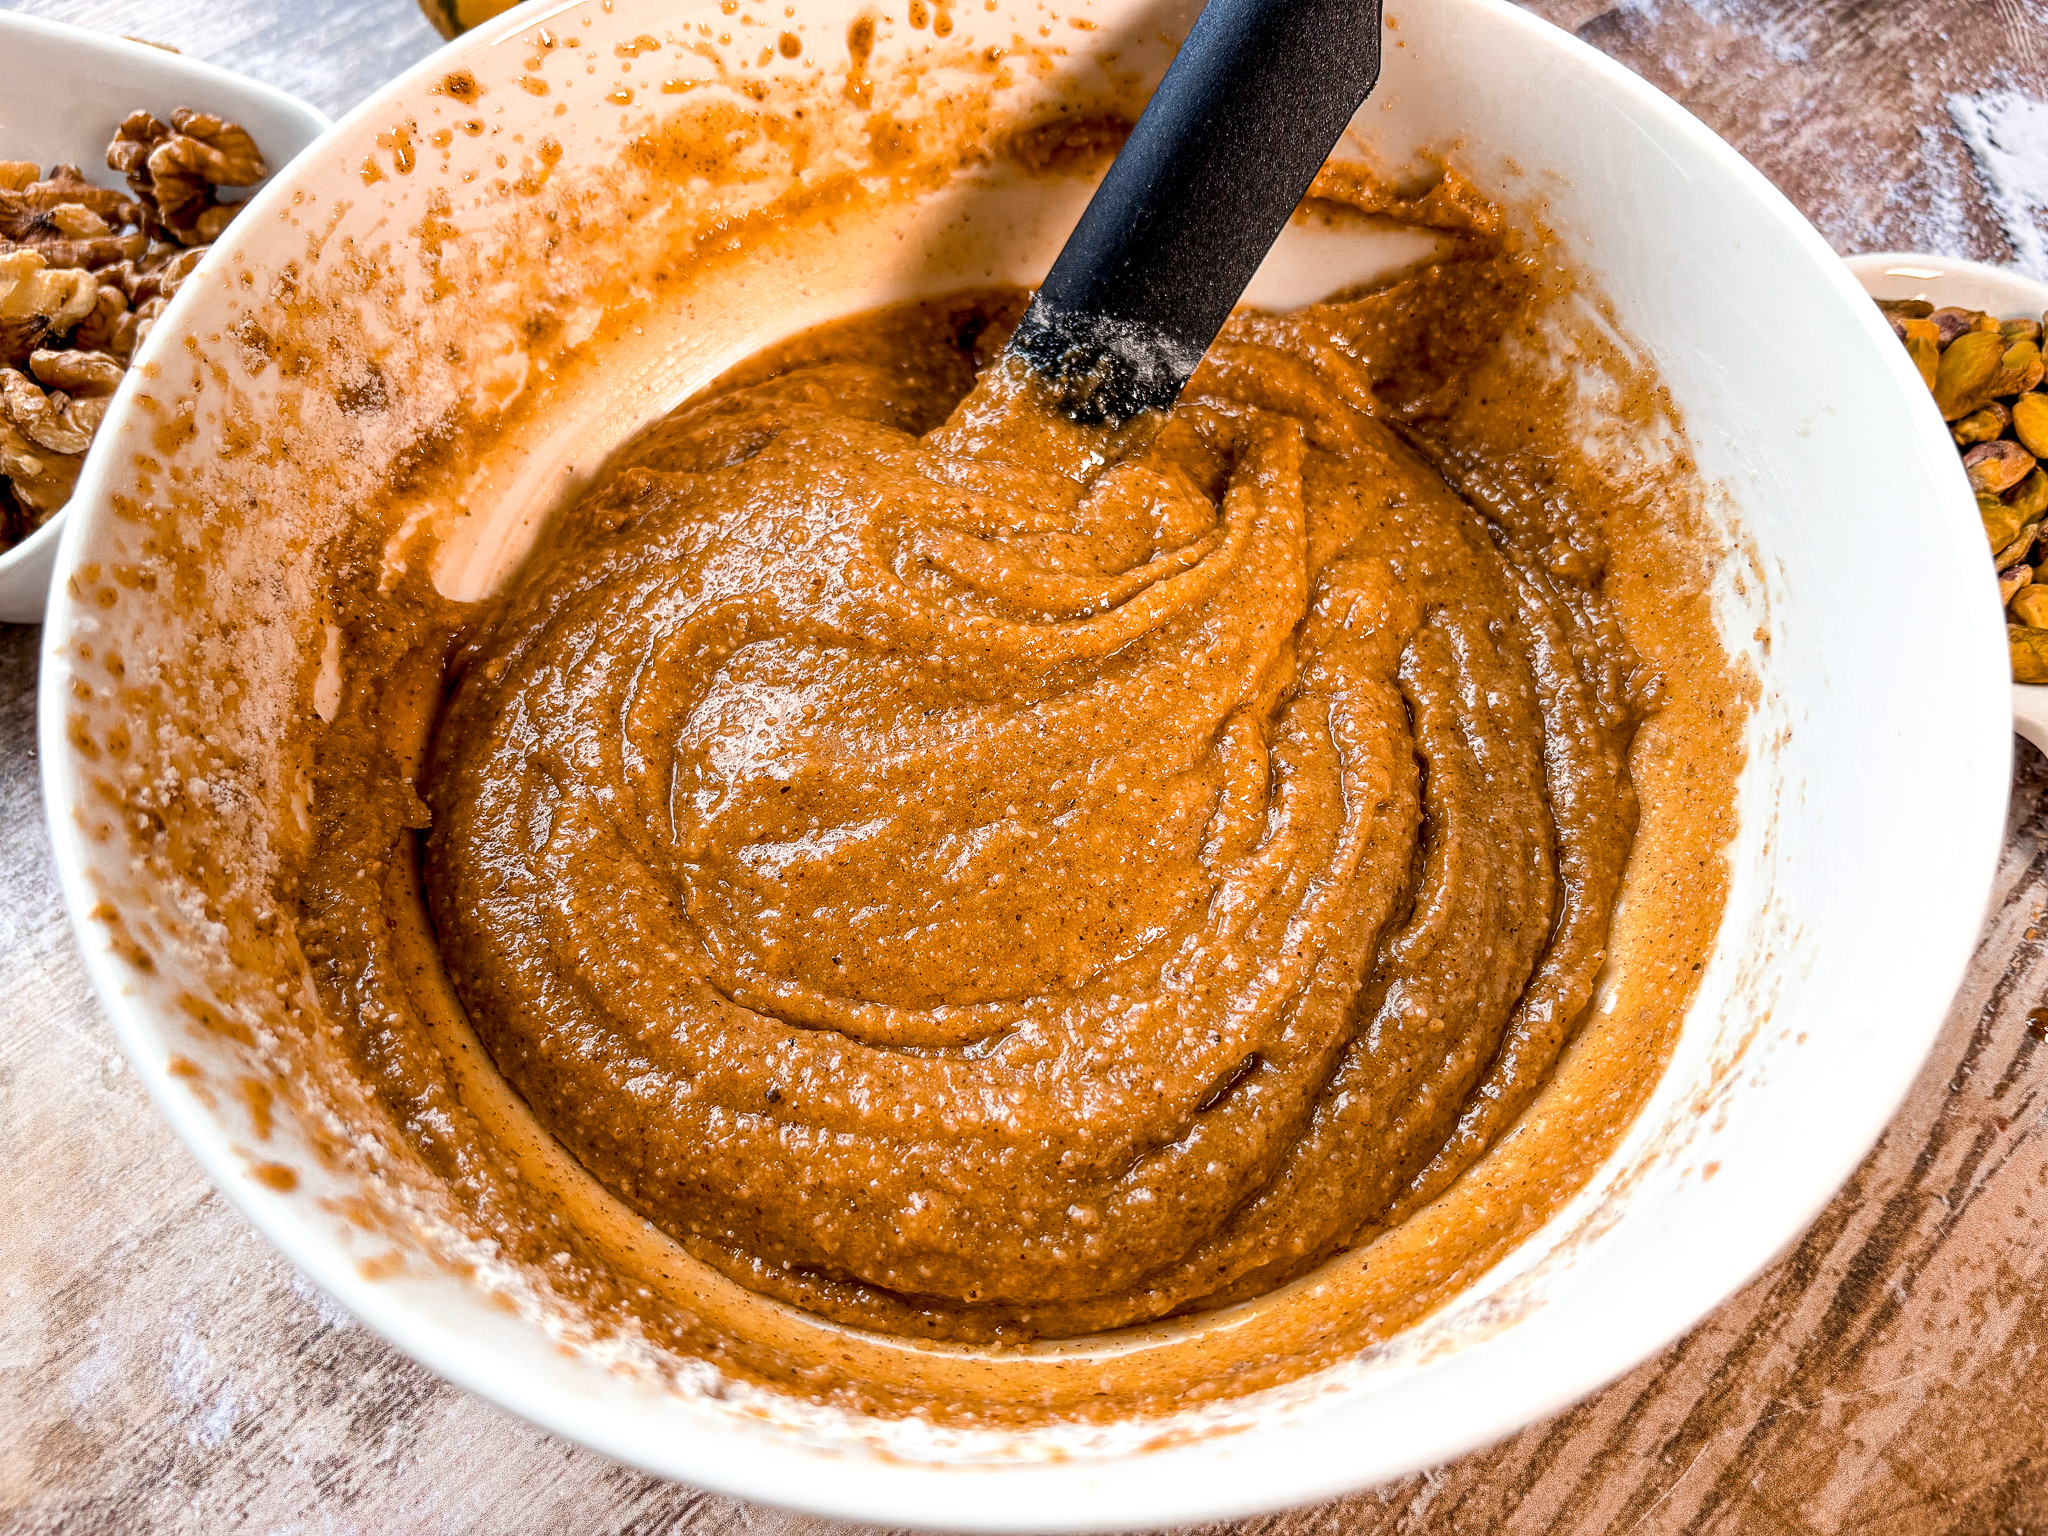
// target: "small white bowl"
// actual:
[[1871, 805], [1949, 280], [67, 91]]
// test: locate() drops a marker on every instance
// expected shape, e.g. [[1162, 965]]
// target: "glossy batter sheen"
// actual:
[[979, 878]]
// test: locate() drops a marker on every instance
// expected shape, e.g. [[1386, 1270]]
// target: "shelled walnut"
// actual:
[[177, 169], [1986, 374], [84, 272]]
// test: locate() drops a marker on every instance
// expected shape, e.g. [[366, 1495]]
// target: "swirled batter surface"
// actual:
[[975, 877]]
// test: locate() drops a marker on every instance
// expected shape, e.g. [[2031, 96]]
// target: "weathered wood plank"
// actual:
[[162, 1370]]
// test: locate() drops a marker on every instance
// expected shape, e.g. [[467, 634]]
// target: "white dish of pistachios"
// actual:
[[119, 165], [1990, 390]]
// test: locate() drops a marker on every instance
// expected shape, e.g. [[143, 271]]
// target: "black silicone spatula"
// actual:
[[1251, 107]]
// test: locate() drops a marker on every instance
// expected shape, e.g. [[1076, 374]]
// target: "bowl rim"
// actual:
[[793, 1475], [175, 67], [39, 544]]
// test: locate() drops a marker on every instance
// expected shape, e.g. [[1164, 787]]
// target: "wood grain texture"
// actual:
[[162, 1370]]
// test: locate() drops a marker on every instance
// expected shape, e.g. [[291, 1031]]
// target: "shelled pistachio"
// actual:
[[1985, 373]]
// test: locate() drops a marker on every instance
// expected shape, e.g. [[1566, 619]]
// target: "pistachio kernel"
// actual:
[[1981, 426], [2002, 524], [2018, 550], [1926, 357], [1997, 467], [2030, 497], [2029, 648], [2030, 422], [1967, 364], [2019, 369], [1952, 322], [2010, 581]]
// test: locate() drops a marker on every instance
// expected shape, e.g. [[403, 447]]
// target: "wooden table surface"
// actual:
[[161, 1369]]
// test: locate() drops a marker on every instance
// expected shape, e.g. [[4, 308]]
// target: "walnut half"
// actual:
[[42, 448], [38, 301], [177, 169]]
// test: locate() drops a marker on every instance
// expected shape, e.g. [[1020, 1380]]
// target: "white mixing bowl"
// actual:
[[1871, 803]]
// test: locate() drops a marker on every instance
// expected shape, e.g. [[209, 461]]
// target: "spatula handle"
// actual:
[[1251, 107]]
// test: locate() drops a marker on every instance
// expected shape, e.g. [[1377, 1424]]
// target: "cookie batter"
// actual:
[[976, 877]]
